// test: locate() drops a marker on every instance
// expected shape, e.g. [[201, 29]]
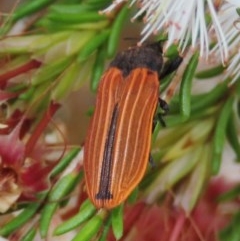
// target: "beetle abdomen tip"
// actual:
[[104, 196]]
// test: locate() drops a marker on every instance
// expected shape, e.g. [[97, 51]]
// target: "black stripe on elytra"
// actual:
[[105, 179]]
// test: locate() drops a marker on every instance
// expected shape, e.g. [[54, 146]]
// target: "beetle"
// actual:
[[117, 146]]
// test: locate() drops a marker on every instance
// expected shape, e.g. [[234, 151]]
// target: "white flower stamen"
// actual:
[[113, 5], [234, 68], [185, 21], [219, 32], [182, 20]]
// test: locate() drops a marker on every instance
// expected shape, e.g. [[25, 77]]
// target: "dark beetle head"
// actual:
[[148, 56], [157, 46]]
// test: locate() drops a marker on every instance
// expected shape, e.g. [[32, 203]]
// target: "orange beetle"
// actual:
[[117, 147]]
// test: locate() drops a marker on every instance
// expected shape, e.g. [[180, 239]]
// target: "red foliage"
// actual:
[[32, 64], [164, 222], [25, 159]]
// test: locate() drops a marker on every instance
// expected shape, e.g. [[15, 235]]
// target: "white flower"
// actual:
[[185, 20], [230, 23], [113, 5], [234, 67]]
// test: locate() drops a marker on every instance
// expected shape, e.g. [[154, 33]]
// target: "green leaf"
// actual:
[[69, 9], [60, 190], [193, 185], [116, 30], [173, 120], [98, 67], [231, 232], [28, 94], [30, 235], [91, 228], [99, 5], [77, 8], [29, 8], [204, 101], [86, 211], [64, 162], [171, 173], [209, 73], [50, 71], [186, 85], [238, 11], [220, 134], [172, 52], [73, 18], [198, 133], [232, 136], [164, 83], [133, 196], [64, 186], [105, 231], [22, 218], [117, 221], [66, 81], [92, 45], [230, 195]]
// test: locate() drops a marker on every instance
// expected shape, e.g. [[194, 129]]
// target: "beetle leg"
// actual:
[[161, 120], [170, 66], [154, 123], [159, 116], [164, 105], [151, 161]]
